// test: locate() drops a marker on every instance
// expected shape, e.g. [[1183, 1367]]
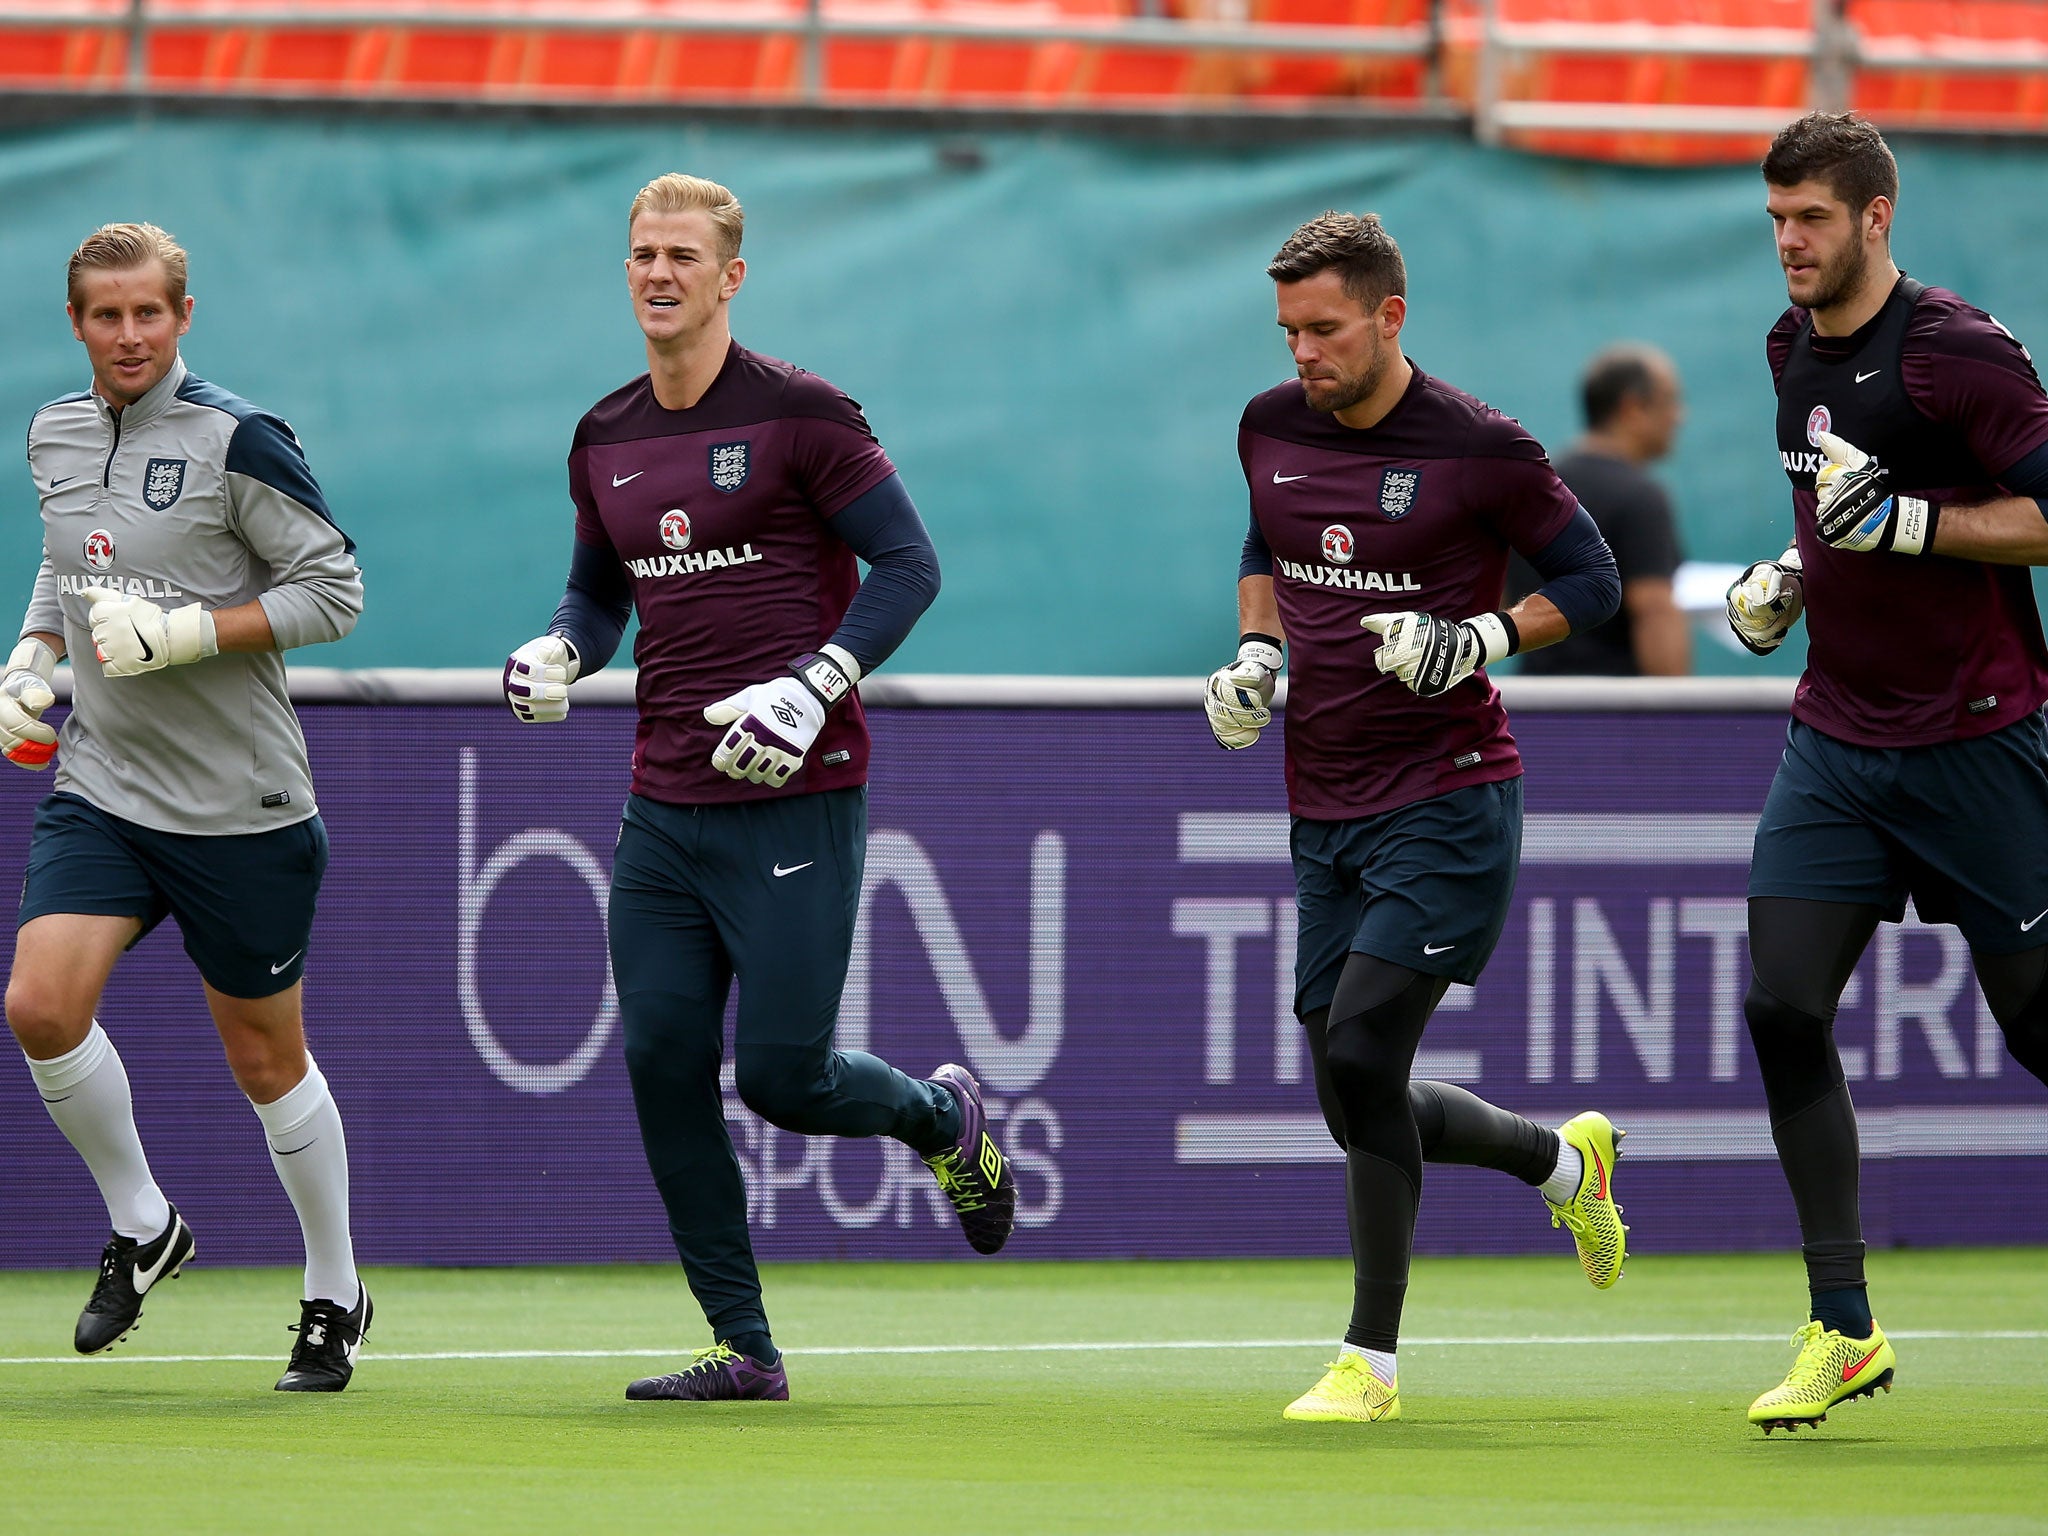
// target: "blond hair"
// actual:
[[120, 247], [680, 193]]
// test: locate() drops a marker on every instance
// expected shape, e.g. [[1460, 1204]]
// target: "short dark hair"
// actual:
[[1625, 371], [1354, 245], [1840, 149]]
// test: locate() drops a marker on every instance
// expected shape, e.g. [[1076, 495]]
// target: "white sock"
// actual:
[[311, 1158], [1564, 1179], [1380, 1362], [86, 1093]]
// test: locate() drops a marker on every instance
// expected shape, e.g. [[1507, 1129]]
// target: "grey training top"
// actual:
[[188, 495]]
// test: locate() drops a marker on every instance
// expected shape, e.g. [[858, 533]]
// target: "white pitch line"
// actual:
[[1077, 1347]]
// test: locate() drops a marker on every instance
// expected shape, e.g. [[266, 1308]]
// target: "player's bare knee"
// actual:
[[45, 1021], [266, 1065], [267, 1078]]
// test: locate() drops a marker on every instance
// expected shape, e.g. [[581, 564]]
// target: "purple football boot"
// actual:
[[720, 1374], [973, 1172]]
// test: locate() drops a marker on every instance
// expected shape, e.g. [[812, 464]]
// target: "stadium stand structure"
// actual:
[[1656, 80]]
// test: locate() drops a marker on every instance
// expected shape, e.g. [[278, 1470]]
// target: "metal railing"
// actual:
[[1829, 50]]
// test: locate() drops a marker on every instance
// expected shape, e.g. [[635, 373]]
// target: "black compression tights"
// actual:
[[1801, 956], [1362, 1047]]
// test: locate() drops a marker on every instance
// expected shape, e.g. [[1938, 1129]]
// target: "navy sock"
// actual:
[[755, 1346], [1847, 1311]]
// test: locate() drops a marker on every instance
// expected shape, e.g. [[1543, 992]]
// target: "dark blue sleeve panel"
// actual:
[[1257, 558], [263, 448], [2029, 477], [1579, 574], [595, 607], [883, 528]]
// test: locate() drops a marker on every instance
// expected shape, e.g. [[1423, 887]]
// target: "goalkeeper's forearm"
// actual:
[[1581, 586], [595, 606], [883, 528], [2010, 531]]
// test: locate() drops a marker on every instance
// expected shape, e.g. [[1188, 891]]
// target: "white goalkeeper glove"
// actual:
[[537, 679], [1432, 655], [24, 695], [1857, 509], [1766, 601], [133, 635], [1240, 693], [773, 724]]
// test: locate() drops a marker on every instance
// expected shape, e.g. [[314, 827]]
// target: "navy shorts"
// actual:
[[1961, 827], [1426, 886], [244, 902], [763, 890]]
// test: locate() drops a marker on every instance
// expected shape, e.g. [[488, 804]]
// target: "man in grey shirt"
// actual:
[[186, 546], [1634, 406]]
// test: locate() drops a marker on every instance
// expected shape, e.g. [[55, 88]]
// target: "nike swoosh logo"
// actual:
[[780, 871], [617, 482], [2027, 927], [61, 480], [1280, 479], [1437, 949], [287, 960], [1870, 375], [1599, 1178], [295, 1151], [1849, 1371], [145, 1278]]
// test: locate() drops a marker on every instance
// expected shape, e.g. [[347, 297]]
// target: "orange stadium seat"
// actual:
[[1917, 57], [1928, 95], [1548, 69]]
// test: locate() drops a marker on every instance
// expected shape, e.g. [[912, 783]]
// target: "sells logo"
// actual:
[[99, 550], [675, 528], [1820, 421], [1338, 545]]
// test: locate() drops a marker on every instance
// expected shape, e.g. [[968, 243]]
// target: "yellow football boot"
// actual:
[[1591, 1215], [1831, 1369], [1348, 1391]]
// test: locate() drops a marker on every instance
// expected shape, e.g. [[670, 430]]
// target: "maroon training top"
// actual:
[[1416, 513], [1909, 650], [721, 517]]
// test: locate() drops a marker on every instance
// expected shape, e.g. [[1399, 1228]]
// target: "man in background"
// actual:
[[1633, 410]]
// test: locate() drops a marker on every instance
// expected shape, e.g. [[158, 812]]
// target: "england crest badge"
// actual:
[[1397, 492], [163, 482], [729, 466]]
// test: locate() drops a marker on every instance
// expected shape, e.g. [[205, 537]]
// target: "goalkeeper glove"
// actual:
[[24, 695], [537, 679], [1857, 510], [1766, 601], [774, 723], [1240, 693], [1432, 655], [132, 635]]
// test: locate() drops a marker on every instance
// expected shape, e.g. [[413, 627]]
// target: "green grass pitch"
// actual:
[[964, 1398]]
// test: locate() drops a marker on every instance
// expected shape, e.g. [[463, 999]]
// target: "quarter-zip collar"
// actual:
[[150, 406]]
